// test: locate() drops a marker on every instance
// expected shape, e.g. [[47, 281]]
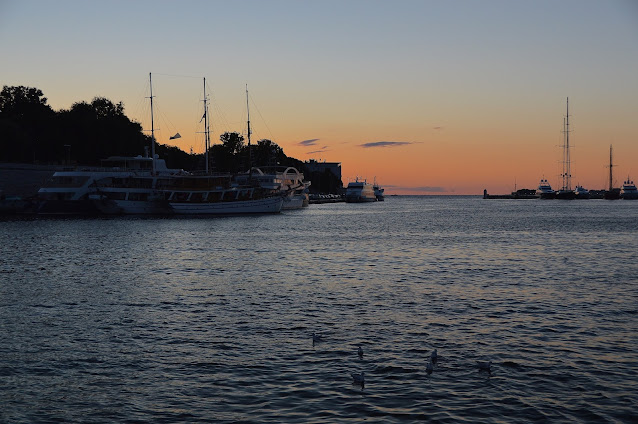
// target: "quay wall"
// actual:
[[24, 180]]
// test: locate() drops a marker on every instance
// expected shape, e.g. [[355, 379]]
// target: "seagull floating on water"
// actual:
[[358, 378], [434, 356], [429, 368], [360, 352], [484, 365]]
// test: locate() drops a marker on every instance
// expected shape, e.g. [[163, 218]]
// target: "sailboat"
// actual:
[[566, 191], [183, 193], [612, 193]]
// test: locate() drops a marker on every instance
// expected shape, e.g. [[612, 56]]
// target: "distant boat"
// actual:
[[378, 191], [612, 193], [360, 192], [545, 190], [566, 191], [581, 192], [629, 190]]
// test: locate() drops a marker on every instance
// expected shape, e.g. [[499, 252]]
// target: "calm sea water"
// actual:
[[211, 319]]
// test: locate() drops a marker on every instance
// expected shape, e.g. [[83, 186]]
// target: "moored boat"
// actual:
[[378, 191], [76, 191], [629, 190], [544, 190], [581, 192], [360, 192], [284, 180]]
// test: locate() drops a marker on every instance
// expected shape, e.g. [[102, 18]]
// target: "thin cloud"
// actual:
[[426, 189], [385, 144], [323, 149], [310, 142]]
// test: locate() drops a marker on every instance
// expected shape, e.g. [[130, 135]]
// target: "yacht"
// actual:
[[628, 190], [545, 190], [581, 192], [359, 192]]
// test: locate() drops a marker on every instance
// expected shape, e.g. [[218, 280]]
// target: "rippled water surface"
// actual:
[[211, 319]]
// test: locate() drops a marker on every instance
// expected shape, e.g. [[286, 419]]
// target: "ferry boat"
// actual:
[[545, 190], [360, 192], [629, 190], [75, 191]]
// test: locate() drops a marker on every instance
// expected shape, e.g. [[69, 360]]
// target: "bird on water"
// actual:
[[360, 352], [358, 378]]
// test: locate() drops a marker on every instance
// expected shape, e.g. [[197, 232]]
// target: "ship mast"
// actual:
[[250, 152], [610, 170], [207, 128], [150, 79], [567, 183]]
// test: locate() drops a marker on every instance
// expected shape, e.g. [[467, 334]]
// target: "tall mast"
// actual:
[[569, 166], [610, 171], [250, 152], [567, 173], [206, 125], [150, 79]]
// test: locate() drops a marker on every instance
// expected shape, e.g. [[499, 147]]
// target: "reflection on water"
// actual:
[[198, 319]]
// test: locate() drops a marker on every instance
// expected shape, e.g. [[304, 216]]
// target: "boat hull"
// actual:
[[257, 206]]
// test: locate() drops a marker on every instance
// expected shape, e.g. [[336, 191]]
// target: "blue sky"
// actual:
[[353, 73]]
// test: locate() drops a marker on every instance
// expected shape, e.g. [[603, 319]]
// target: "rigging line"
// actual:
[[177, 76], [261, 116]]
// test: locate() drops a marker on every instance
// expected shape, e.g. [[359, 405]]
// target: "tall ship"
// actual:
[[566, 191], [629, 190], [612, 193], [360, 192]]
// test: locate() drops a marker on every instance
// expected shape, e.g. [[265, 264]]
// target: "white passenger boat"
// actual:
[[359, 192], [76, 191], [628, 190]]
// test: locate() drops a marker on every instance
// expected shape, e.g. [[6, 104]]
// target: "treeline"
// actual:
[[32, 132]]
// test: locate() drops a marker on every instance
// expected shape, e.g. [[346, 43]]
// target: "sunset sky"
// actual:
[[429, 97]]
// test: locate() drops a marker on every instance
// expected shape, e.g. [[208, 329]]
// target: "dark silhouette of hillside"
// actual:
[[32, 132]]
